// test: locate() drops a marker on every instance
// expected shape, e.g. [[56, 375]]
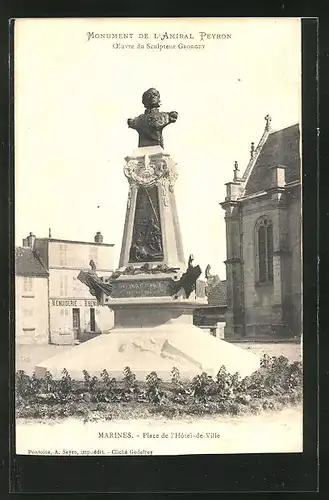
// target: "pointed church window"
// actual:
[[269, 253], [262, 254], [264, 249]]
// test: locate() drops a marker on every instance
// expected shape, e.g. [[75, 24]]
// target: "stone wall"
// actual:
[[296, 263], [273, 308], [234, 277], [258, 299]]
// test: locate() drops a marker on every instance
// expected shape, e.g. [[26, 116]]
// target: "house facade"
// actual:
[[31, 298], [73, 314], [263, 240]]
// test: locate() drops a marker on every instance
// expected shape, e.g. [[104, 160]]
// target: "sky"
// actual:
[[73, 97]]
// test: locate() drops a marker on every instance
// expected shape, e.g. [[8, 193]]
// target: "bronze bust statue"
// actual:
[[150, 124]]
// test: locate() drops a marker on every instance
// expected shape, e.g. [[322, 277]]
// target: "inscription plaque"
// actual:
[[143, 288]]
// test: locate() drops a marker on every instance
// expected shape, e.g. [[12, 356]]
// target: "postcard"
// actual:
[[158, 213]]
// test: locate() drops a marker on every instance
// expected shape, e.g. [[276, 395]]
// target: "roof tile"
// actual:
[[27, 263], [281, 148]]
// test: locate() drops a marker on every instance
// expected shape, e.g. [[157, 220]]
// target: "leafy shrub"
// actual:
[[48, 383], [65, 385], [265, 361], [276, 376], [180, 390], [175, 376], [89, 382], [275, 384], [107, 390], [26, 385], [226, 384], [203, 386], [153, 390]]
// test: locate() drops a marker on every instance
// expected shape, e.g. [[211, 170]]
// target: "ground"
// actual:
[[27, 356]]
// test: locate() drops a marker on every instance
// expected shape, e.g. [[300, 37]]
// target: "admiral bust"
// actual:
[[150, 124]]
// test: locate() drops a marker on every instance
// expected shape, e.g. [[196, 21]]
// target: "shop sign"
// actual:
[[74, 302]]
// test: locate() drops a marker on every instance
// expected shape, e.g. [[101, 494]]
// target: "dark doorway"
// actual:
[[92, 320], [76, 323]]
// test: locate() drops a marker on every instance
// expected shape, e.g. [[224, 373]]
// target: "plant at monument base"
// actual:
[[277, 383], [130, 385], [22, 384], [265, 361], [203, 386], [180, 390], [91, 387], [65, 386], [48, 382], [276, 377], [153, 390], [175, 376], [104, 390], [108, 387], [294, 378], [26, 385], [129, 378], [89, 382], [226, 384]]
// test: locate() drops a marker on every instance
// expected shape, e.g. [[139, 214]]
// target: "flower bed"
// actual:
[[275, 384]]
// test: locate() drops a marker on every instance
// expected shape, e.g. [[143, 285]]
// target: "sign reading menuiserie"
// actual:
[[74, 302]]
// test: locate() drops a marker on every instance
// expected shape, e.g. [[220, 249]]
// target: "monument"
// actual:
[[153, 292]]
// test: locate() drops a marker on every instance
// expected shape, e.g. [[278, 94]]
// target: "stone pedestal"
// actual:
[[153, 313], [151, 206], [152, 335]]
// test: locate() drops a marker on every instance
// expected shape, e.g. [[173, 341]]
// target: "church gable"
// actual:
[[280, 148]]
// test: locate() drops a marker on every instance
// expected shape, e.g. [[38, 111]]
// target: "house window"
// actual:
[[63, 286], [27, 321], [62, 255], [92, 320], [28, 284], [264, 250]]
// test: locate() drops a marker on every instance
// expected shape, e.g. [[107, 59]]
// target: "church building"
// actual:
[[263, 240]]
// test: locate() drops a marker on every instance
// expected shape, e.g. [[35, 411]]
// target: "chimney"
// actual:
[[98, 237], [278, 176], [30, 240]]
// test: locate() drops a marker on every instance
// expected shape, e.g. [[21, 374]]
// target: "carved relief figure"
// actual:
[[150, 124], [147, 236], [153, 236]]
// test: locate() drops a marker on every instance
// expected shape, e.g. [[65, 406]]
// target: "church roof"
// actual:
[[280, 148], [27, 263]]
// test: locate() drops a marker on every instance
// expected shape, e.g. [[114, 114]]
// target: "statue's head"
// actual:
[[151, 98]]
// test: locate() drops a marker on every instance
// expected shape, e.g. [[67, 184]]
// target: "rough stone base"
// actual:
[[272, 330], [157, 349]]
